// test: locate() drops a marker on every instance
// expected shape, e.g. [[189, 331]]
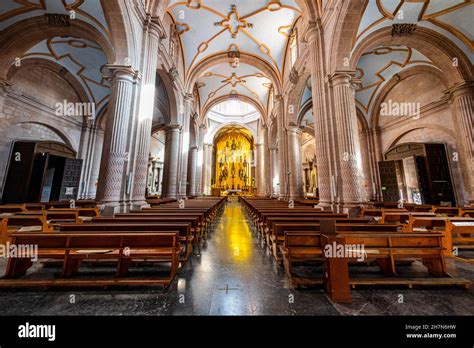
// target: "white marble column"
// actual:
[[193, 153], [87, 153], [145, 111], [346, 136], [294, 162], [198, 169], [113, 174], [170, 170], [463, 112], [321, 112]]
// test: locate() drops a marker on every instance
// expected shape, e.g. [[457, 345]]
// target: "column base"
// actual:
[[112, 208], [138, 205]]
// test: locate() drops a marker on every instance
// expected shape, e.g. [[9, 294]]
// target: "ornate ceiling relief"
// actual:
[[451, 18], [88, 11], [378, 66], [83, 59], [259, 28]]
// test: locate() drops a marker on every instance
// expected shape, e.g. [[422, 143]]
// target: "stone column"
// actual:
[[315, 39], [113, 174], [145, 111], [463, 111], [207, 171], [275, 172], [294, 162], [198, 169], [282, 146], [170, 170], [87, 153], [346, 135], [193, 152], [185, 138], [261, 170]]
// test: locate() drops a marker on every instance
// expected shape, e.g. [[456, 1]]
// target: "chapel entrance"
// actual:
[[417, 173], [41, 171]]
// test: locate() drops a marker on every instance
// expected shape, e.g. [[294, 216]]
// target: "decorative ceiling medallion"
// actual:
[[234, 80], [194, 4], [233, 23]]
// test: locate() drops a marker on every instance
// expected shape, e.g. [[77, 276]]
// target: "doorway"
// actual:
[[417, 173], [41, 171]]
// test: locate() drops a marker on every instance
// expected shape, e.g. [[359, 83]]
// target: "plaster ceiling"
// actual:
[[451, 18], [378, 66]]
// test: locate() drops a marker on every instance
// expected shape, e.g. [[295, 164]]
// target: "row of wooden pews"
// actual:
[[161, 234], [300, 234]]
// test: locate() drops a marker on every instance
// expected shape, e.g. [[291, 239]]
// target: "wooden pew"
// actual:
[[12, 208], [459, 235], [402, 217], [279, 229], [449, 211], [466, 212], [382, 247], [16, 223], [185, 236], [74, 248]]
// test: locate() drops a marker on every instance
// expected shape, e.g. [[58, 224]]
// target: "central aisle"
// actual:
[[233, 275]]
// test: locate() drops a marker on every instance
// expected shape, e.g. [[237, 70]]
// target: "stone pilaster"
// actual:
[[294, 162], [113, 178], [275, 172], [88, 154], [184, 145], [346, 136], [192, 171], [207, 169], [261, 168], [282, 146], [463, 111], [145, 111], [170, 174]]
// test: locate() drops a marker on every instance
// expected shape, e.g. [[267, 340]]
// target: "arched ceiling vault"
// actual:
[[234, 48]]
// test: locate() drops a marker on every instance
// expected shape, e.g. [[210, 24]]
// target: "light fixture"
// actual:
[[274, 5]]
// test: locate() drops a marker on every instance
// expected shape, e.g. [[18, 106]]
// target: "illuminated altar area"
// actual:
[[234, 161]]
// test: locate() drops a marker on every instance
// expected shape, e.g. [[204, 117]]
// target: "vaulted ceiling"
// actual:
[[259, 28], [451, 18]]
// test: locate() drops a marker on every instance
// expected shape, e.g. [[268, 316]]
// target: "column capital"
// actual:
[[188, 98], [460, 89], [194, 147], [295, 130], [311, 32], [155, 26], [172, 128], [344, 77], [124, 72]]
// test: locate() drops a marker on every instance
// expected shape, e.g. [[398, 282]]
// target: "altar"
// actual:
[[233, 192]]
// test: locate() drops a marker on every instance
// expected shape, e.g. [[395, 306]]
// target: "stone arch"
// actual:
[[222, 57], [55, 68], [21, 36], [344, 33], [243, 98], [63, 136], [409, 129], [174, 98], [397, 78], [296, 93], [433, 45]]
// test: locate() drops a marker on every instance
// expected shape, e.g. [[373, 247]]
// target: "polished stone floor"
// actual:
[[233, 274]]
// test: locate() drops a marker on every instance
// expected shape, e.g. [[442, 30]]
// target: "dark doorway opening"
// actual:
[[41, 172], [417, 173]]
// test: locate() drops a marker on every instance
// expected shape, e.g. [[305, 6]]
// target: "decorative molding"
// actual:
[[58, 20], [403, 29], [294, 76]]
